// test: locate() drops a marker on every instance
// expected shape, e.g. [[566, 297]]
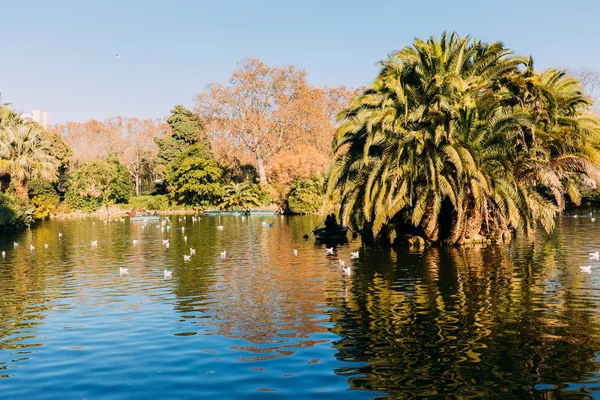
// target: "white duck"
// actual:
[[354, 254], [220, 227], [94, 243], [167, 274], [3, 254], [45, 245], [295, 252], [595, 256], [165, 241], [123, 271], [586, 268], [329, 250], [15, 244], [342, 263], [186, 257], [31, 247], [135, 241], [224, 254], [192, 251]]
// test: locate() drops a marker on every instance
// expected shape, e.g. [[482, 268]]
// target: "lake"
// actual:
[[518, 320]]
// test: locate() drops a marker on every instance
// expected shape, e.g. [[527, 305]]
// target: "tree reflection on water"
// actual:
[[475, 321]]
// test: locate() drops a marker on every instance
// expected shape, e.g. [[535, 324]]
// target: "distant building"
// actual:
[[41, 117]]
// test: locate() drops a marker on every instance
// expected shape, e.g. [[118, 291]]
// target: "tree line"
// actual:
[[455, 140], [262, 139]]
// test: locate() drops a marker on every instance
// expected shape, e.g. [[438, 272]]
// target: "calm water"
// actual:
[[504, 321]]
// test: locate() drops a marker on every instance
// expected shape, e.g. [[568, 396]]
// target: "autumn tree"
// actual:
[[140, 149], [590, 80], [130, 139], [265, 110], [92, 140]]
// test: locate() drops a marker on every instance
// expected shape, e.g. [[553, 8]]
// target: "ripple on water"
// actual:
[[510, 321]]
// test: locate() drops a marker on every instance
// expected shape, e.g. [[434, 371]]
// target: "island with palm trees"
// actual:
[[459, 140]]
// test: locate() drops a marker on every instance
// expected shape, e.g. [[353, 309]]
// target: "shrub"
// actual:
[[75, 201], [45, 204], [158, 202], [99, 183], [15, 212], [44, 197], [306, 196]]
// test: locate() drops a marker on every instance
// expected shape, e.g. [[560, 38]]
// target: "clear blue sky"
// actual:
[[60, 56]]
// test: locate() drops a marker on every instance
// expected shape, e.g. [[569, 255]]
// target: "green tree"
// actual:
[[62, 153], [102, 182], [187, 129], [457, 138], [194, 178]]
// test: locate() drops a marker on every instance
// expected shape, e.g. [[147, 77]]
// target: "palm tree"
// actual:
[[447, 144], [240, 196], [24, 155]]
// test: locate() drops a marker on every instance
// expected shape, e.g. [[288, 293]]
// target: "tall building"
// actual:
[[41, 117]]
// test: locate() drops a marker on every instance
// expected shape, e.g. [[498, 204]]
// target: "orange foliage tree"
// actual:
[[130, 139], [267, 114]]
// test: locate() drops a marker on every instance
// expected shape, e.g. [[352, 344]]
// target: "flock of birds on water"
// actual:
[[165, 226]]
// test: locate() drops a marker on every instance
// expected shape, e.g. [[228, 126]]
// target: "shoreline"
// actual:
[[117, 212]]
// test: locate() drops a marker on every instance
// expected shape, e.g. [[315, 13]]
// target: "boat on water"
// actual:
[[143, 216], [263, 212], [338, 233], [239, 212]]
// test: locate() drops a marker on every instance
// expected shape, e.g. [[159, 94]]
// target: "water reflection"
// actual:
[[514, 320], [480, 321]]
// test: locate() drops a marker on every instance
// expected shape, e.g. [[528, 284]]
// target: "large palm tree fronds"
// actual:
[[454, 127], [25, 155]]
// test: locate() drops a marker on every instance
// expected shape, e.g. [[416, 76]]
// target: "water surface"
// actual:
[[501, 321]]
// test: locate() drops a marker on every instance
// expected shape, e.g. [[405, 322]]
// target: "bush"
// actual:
[[44, 197], [306, 196], [14, 212], [45, 204], [158, 202], [99, 183], [75, 201]]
